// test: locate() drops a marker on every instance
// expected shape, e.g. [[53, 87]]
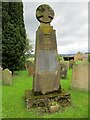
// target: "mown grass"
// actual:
[[13, 103]]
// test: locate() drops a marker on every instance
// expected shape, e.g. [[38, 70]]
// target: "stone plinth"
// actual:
[[51, 99]]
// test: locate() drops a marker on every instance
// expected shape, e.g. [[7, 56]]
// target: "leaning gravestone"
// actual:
[[80, 76], [46, 76], [7, 77]]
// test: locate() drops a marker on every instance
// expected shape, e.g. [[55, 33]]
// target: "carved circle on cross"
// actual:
[[44, 13]]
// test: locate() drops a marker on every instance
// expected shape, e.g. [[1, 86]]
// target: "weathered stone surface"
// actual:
[[80, 76], [71, 64], [47, 82], [45, 38], [63, 69], [30, 67], [78, 56], [7, 77], [44, 13], [56, 99], [30, 71], [54, 108], [46, 86], [64, 73], [47, 75]]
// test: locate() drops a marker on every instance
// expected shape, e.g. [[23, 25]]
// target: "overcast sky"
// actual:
[[70, 23]]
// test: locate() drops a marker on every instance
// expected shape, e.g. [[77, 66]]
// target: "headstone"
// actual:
[[80, 76], [1, 75], [71, 63], [46, 76], [64, 73], [30, 67], [46, 91], [78, 56], [63, 69], [7, 77], [31, 71]]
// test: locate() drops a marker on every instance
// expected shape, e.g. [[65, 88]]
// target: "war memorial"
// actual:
[[46, 90]]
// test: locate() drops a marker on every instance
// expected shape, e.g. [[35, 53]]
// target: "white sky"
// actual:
[[70, 23]]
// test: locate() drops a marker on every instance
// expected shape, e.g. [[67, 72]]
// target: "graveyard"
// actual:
[[48, 85], [14, 106]]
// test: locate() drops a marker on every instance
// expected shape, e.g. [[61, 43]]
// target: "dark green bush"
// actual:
[[89, 58]]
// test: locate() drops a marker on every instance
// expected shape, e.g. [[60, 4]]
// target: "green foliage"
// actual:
[[52, 103], [88, 57], [28, 48], [21, 63], [78, 62], [13, 35], [14, 106], [59, 57], [30, 59], [0, 34]]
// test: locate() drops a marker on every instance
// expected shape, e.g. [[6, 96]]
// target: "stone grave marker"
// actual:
[[80, 76], [71, 63], [63, 69], [7, 77], [30, 67], [46, 76]]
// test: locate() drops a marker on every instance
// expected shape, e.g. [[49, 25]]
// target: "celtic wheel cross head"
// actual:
[[44, 13]]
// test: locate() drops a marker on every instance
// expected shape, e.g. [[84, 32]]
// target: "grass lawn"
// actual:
[[13, 103]]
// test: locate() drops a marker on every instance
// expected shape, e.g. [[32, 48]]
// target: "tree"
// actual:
[[28, 48], [88, 57], [0, 34], [13, 35], [59, 57]]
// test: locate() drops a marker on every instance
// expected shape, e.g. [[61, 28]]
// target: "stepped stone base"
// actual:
[[60, 98]]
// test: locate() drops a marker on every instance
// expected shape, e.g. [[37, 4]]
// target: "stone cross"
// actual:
[[46, 73], [44, 13]]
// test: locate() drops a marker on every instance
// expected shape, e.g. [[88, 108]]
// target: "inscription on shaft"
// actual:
[[46, 76]]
